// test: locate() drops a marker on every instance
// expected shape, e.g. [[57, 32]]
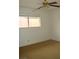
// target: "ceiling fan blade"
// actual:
[[45, 0], [38, 8], [55, 5], [52, 3]]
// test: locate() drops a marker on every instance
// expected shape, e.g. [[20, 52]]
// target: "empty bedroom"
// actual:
[[39, 29]]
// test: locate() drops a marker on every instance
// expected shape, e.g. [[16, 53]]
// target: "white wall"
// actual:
[[33, 35], [50, 27], [55, 14]]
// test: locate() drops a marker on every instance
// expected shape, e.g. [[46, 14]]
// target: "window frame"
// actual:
[[28, 21]]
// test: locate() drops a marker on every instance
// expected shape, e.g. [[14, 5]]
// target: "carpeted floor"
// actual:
[[45, 50]]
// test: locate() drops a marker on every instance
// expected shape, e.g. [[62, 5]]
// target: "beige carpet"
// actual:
[[46, 50]]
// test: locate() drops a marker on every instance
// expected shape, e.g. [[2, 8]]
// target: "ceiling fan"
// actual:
[[47, 4]]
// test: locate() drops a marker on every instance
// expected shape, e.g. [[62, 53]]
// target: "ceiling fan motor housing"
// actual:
[[45, 3]]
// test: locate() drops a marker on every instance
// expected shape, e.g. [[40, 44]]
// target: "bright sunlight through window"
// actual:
[[29, 22], [34, 22], [23, 22]]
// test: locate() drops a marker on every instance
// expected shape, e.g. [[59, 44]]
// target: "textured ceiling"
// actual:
[[32, 3]]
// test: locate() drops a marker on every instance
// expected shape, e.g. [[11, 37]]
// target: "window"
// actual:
[[23, 22], [29, 22], [34, 22]]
